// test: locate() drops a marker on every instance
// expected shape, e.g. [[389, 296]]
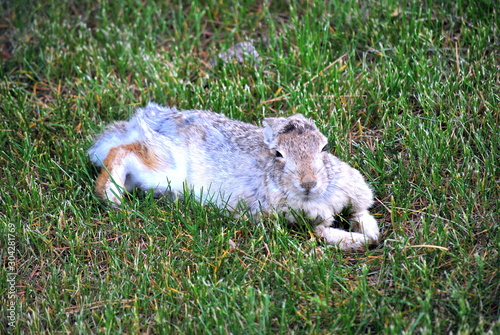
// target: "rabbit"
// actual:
[[281, 167]]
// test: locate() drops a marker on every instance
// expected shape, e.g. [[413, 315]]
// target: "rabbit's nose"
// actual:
[[308, 182]]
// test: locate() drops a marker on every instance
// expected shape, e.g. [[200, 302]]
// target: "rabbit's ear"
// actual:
[[269, 133], [272, 127]]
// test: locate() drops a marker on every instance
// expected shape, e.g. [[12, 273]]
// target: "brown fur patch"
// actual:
[[101, 182], [146, 155], [115, 158]]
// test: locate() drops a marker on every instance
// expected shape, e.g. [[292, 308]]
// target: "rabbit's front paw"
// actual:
[[367, 226], [343, 239]]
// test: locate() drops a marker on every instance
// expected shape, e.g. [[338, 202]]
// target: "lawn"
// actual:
[[408, 92]]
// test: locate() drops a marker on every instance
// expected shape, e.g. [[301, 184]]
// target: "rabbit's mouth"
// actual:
[[308, 187], [306, 192], [309, 194]]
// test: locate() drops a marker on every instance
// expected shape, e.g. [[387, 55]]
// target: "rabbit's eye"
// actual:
[[278, 154]]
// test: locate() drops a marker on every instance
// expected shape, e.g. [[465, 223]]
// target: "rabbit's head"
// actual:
[[299, 155]]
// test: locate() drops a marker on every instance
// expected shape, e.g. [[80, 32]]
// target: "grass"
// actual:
[[407, 92]]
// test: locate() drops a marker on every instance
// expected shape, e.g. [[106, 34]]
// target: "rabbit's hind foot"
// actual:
[[120, 166]]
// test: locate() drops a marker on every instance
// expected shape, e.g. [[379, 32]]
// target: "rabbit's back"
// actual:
[[157, 126], [208, 130]]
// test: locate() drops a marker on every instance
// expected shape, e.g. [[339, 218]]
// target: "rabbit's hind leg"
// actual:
[[120, 163]]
